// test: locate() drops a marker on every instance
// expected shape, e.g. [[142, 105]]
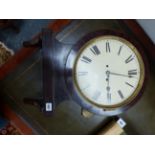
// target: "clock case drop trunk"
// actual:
[[54, 55]]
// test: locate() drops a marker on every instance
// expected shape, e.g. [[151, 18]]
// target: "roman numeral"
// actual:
[[107, 47], [96, 95], [132, 72], [129, 59], [82, 73], [108, 97], [119, 52], [95, 50], [86, 59], [120, 94], [129, 84]]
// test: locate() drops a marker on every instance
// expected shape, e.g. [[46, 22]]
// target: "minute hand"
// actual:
[[112, 73]]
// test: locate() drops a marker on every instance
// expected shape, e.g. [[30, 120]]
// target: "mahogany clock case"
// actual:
[[62, 83], [72, 91]]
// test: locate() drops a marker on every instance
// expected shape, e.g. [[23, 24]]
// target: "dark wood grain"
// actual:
[[131, 26], [47, 70]]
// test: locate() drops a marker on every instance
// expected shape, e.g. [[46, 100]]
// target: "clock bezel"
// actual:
[[74, 91]]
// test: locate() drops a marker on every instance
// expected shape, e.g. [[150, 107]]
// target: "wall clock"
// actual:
[[104, 72]]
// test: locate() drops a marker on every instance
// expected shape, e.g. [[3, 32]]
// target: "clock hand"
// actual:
[[107, 79], [108, 87], [112, 73]]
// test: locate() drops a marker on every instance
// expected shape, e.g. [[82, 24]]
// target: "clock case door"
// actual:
[[69, 74]]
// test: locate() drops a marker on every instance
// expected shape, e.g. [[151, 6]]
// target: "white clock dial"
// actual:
[[108, 70]]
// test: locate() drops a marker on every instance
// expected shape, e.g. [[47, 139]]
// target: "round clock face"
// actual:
[[108, 71]]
